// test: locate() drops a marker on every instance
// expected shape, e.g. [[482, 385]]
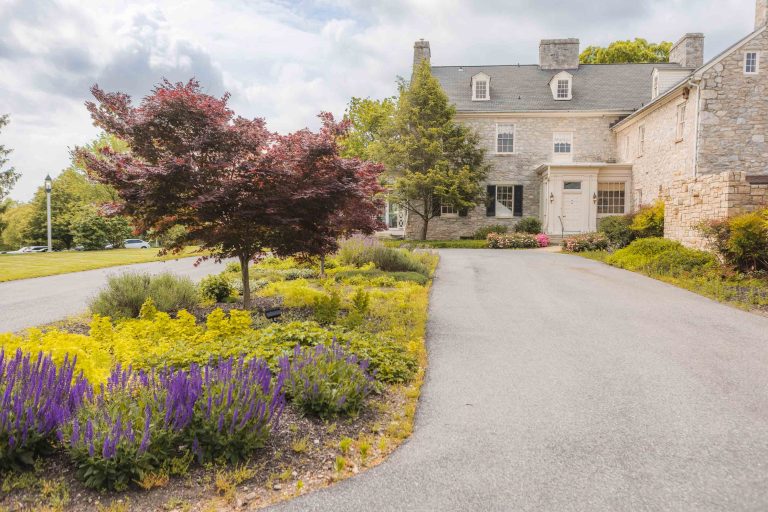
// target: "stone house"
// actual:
[[570, 143]]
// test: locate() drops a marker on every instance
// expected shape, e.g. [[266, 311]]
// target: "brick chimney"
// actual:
[[559, 54], [688, 51], [420, 52], [761, 14]]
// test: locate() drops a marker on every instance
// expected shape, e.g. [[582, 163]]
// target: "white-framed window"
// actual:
[[505, 200], [640, 140], [562, 146], [562, 86], [751, 63], [680, 129], [448, 210], [481, 87], [611, 198], [563, 89], [505, 138]]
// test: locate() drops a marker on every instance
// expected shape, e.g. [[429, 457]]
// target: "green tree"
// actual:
[[370, 122], [9, 176], [93, 231], [436, 160], [621, 52], [15, 218]]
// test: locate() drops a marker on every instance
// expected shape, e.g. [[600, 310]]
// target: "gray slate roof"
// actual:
[[623, 87]]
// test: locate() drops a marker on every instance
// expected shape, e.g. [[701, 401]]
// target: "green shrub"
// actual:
[[359, 251], [649, 221], [512, 241], [482, 233], [389, 360], [124, 294], [217, 288], [325, 381], [233, 267], [377, 277], [741, 241], [660, 256], [326, 308], [530, 225], [585, 242], [617, 230]]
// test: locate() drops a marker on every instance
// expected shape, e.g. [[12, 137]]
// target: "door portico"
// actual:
[[574, 196]]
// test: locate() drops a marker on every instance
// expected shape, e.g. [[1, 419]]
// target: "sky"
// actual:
[[285, 60]]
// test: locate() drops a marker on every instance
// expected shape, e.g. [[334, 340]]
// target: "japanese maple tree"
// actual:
[[345, 198]]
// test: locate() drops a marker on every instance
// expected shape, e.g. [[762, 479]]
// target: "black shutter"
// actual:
[[435, 206], [518, 210], [463, 211], [490, 201]]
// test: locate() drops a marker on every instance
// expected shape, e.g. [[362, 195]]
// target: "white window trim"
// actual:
[[757, 63], [565, 77], [454, 213], [514, 140], [626, 182], [640, 140], [481, 77], [496, 199], [680, 134], [562, 157], [557, 89]]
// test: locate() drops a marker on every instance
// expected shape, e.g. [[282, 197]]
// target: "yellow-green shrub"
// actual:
[[295, 294]]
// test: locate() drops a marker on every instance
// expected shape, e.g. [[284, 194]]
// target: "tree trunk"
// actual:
[[244, 261], [424, 228], [322, 265]]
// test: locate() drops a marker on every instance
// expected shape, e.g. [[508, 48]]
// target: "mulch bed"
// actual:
[[277, 469]]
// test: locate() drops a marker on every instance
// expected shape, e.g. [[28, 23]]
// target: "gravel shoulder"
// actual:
[[560, 383]]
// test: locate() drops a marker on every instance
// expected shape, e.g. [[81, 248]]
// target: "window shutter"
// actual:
[[490, 201], [463, 211], [518, 210], [435, 206]]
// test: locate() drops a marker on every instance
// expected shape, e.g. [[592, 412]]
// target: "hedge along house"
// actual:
[[567, 142]]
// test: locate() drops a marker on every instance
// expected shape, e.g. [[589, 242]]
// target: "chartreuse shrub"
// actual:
[[124, 294], [325, 381], [741, 241], [660, 256], [216, 287], [36, 398], [649, 221]]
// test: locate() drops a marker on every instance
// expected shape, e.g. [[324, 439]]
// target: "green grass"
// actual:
[[25, 266], [438, 244]]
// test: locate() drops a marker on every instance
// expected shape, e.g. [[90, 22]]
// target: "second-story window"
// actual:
[[562, 146], [563, 89], [750, 63], [680, 131], [505, 138]]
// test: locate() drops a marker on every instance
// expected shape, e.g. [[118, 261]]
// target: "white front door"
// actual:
[[574, 212]]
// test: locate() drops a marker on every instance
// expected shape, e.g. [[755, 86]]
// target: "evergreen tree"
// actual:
[[436, 160]]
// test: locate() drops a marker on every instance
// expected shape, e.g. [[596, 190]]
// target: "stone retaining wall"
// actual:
[[711, 196]]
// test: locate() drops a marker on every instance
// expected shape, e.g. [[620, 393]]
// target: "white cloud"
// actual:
[[284, 60]]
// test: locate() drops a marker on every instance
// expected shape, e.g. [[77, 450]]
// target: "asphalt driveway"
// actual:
[[557, 383], [30, 302]]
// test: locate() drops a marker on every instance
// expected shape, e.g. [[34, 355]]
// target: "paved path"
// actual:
[[560, 384], [29, 302]]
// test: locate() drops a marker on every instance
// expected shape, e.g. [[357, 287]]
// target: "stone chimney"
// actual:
[[420, 52], [761, 14], [689, 50], [559, 54]]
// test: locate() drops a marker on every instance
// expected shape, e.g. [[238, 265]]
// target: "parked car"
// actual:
[[132, 243], [30, 248]]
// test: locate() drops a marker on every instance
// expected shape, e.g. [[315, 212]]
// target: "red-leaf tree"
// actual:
[[234, 186], [346, 195]]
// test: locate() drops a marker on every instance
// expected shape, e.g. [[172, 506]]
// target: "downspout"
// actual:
[[695, 82]]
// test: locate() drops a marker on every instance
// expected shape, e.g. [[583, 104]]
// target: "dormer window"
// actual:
[[561, 85], [481, 87]]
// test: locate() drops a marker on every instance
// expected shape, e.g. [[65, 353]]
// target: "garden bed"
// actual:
[[366, 317]]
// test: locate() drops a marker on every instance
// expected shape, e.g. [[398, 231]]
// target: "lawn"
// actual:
[[24, 266]]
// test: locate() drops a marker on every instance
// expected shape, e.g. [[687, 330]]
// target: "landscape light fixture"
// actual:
[[273, 314], [48, 187]]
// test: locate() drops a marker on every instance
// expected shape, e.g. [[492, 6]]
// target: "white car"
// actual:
[[132, 243], [30, 249]]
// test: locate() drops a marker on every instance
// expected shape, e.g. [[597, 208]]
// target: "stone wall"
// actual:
[[734, 114], [688, 202], [665, 157], [593, 141]]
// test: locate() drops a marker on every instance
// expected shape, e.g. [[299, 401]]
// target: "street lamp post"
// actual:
[[48, 186]]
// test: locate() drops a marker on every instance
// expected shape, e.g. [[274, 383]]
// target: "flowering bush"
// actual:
[[586, 242], [542, 240], [36, 397], [325, 381], [512, 241], [237, 409], [131, 426]]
